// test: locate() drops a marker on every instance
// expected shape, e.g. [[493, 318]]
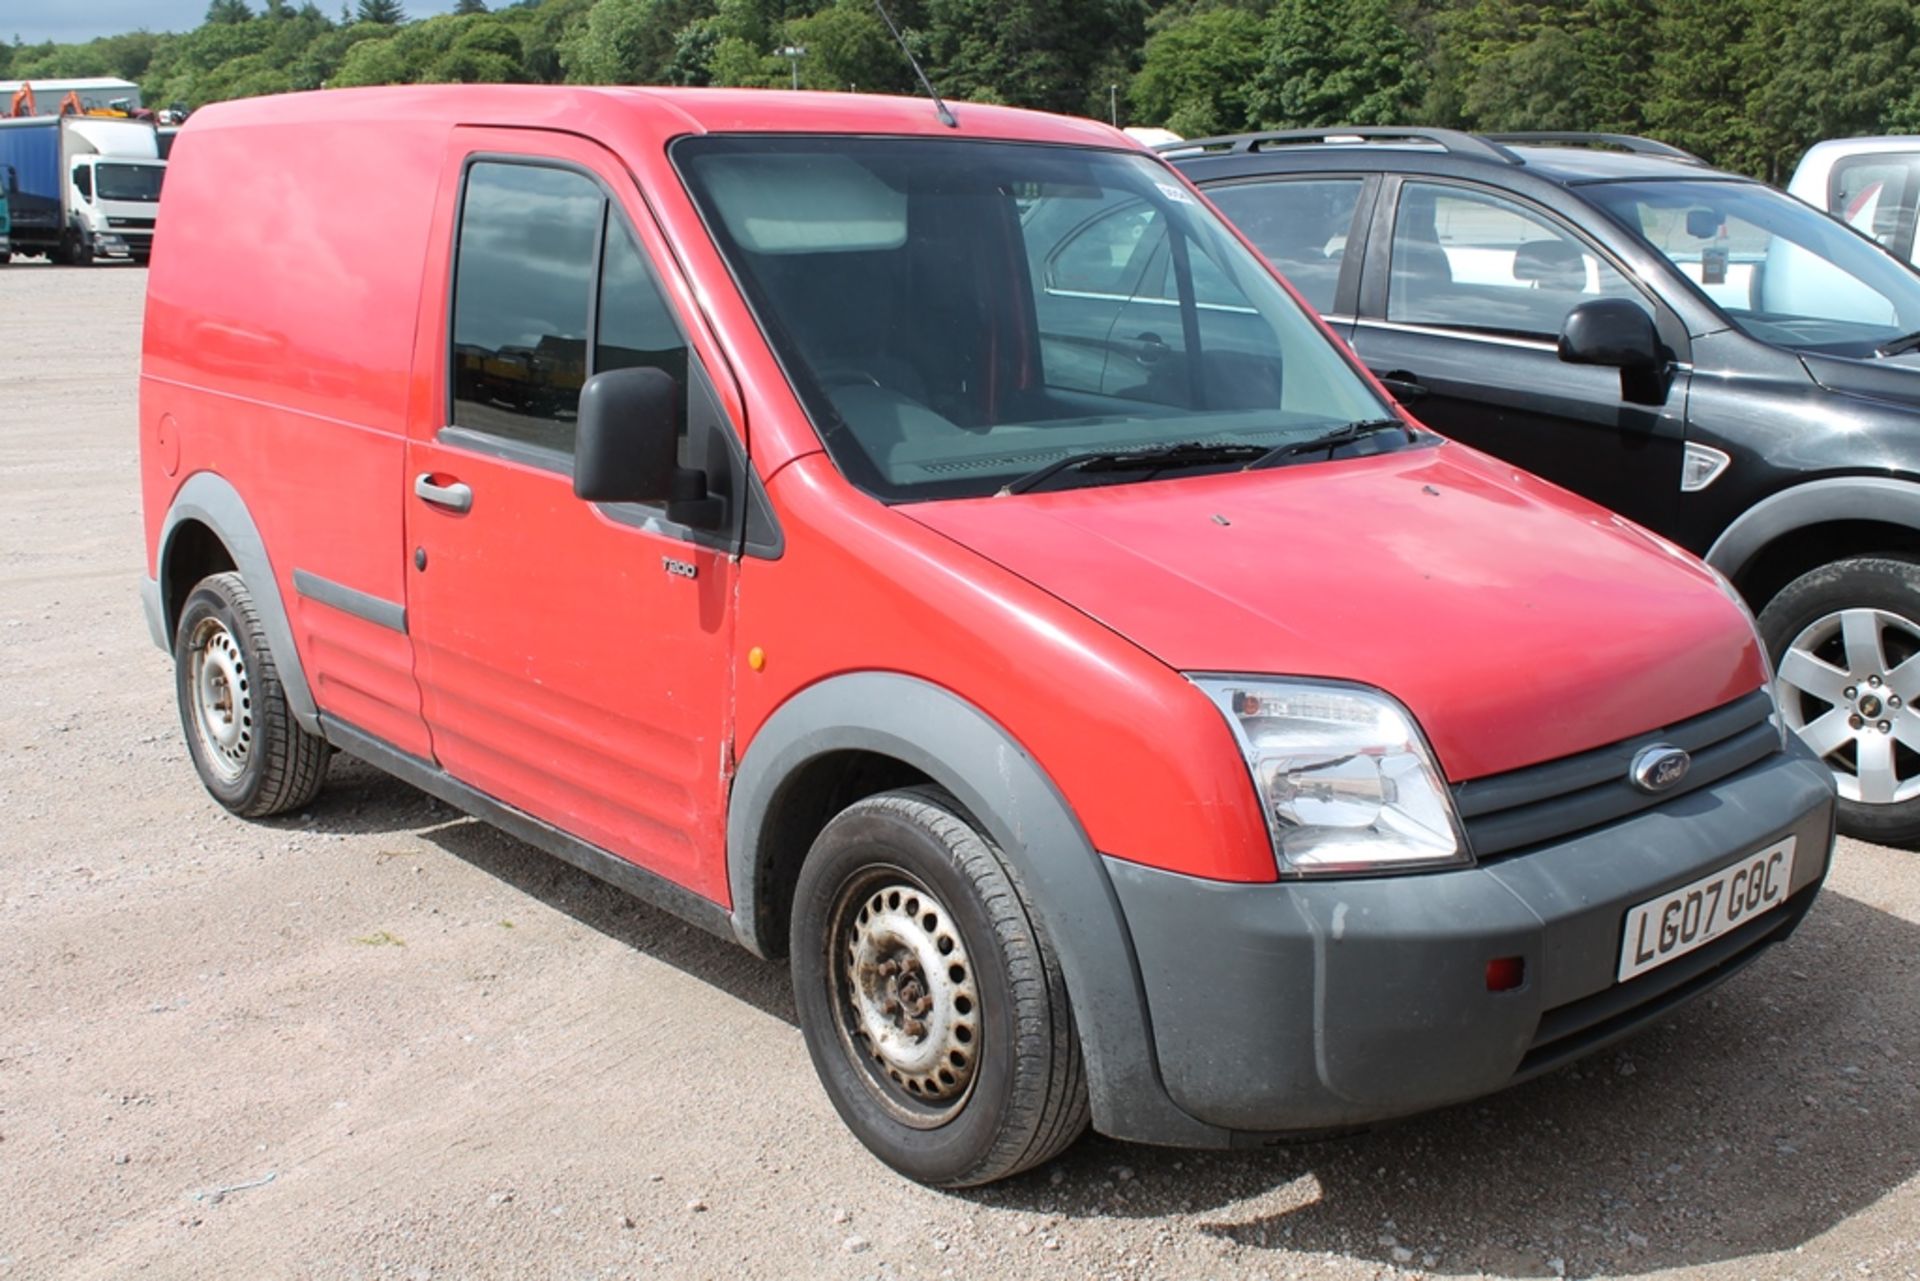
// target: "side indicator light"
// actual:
[[1506, 973]]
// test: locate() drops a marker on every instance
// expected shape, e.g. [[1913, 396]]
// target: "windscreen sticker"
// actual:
[[1175, 193]]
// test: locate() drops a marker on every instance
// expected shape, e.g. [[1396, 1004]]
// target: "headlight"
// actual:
[[1344, 778], [1772, 686]]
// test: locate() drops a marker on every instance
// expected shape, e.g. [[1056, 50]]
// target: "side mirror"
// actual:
[[1610, 331], [1619, 334], [627, 447], [627, 438]]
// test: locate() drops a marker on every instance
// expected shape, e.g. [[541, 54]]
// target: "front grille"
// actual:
[[1541, 803], [132, 224], [1568, 1031]]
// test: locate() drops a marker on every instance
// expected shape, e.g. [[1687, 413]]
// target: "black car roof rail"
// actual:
[[1625, 141], [1453, 141]]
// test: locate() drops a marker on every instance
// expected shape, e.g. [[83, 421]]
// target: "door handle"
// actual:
[[1405, 387], [455, 497]]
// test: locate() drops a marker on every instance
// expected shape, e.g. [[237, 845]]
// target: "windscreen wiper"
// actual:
[[1280, 455], [1187, 453], [1899, 346]]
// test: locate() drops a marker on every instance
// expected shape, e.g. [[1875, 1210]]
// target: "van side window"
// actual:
[[635, 328], [83, 179], [529, 243]]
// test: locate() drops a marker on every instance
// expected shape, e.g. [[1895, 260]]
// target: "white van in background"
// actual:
[[1871, 184]]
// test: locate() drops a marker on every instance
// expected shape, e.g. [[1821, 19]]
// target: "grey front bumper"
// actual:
[[1312, 1005]]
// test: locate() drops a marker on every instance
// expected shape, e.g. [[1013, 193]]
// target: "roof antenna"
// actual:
[[946, 116]]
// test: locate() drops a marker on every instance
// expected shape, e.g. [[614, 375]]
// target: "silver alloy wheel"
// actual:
[[904, 988], [1847, 685], [220, 699]]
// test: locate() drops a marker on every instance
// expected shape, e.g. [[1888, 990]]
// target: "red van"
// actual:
[[949, 559]]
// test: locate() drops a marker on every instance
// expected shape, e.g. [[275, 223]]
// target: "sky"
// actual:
[[75, 21]]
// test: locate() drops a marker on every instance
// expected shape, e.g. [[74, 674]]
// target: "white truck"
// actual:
[[87, 186]]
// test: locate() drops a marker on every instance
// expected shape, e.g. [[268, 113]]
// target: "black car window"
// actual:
[[83, 179], [1301, 226], [1466, 259], [522, 298]]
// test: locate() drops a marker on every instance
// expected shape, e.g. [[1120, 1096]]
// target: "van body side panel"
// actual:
[[572, 666], [276, 354]]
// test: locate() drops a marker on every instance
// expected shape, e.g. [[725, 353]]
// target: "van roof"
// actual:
[[671, 111]]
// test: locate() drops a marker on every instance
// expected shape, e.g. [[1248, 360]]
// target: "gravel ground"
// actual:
[[381, 1039]]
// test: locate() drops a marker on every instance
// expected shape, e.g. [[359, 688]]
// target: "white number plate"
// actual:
[[1694, 915]]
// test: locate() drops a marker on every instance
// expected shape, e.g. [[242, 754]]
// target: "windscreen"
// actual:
[[128, 182], [956, 314], [1782, 271]]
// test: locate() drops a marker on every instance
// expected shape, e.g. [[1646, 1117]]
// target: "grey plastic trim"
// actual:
[[211, 499], [591, 859], [350, 600], [1009, 794], [1851, 498], [152, 606]]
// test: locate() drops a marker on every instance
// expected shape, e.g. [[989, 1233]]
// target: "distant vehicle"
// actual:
[[90, 93], [1691, 348], [1871, 184], [7, 181], [781, 506], [89, 186]]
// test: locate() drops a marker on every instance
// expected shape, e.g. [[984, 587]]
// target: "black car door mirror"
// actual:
[[1610, 331], [1618, 333], [627, 439]]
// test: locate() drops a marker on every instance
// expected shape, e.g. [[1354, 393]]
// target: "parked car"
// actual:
[[1871, 184], [1695, 350], [1111, 707]]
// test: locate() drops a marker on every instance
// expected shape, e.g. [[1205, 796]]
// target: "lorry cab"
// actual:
[[88, 187], [114, 198], [801, 512]]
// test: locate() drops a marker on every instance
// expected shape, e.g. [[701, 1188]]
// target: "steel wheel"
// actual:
[[221, 705], [908, 1006], [1847, 684]]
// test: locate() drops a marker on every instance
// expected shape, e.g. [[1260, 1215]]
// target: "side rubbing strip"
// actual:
[[348, 600]]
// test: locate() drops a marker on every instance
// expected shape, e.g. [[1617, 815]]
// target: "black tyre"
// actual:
[[249, 751], [931, 1002], [1845, 639]]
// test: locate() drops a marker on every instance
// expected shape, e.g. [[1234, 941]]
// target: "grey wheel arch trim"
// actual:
[[1818, 502], [1005, 789], [212, 500]]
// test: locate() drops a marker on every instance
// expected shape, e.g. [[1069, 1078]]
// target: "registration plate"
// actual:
[[1694, 915]]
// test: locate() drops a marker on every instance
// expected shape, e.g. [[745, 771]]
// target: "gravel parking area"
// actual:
[[381, 1039]]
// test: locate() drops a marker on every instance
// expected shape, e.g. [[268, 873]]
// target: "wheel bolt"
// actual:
[[1893, 700], [1874, 681], [1886, 727], [1851, 692], [1855, 721]]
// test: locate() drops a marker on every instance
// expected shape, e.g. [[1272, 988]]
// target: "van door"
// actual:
[[573, 657]]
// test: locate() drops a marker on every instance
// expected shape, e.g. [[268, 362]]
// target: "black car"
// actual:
[[1695, 350]]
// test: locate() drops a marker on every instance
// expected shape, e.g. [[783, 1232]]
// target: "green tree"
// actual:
[[386, 12], [1343, 61], [229, 11], [464, 7], [848, 46], [1049, 54], [626, 41], [1197, 73]]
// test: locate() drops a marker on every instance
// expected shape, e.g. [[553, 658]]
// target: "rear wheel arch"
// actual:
[[208, 530], [900, 723]]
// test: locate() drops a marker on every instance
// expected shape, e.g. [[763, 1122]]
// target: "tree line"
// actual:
[[1748, 84]]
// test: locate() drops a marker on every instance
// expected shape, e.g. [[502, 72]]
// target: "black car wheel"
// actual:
[[250, 752], [931, 1003], [1845, 640]]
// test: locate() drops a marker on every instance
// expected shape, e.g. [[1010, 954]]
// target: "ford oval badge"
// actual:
[[1659, 767]]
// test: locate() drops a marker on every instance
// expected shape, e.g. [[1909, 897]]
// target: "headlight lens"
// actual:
[[1344, 778]]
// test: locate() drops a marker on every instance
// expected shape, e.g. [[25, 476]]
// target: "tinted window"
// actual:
[[130, 182], [1300, 226], [1780, 269], [523, 292], [636, 329], [1470, 260], [958, 314], [83, 179]]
